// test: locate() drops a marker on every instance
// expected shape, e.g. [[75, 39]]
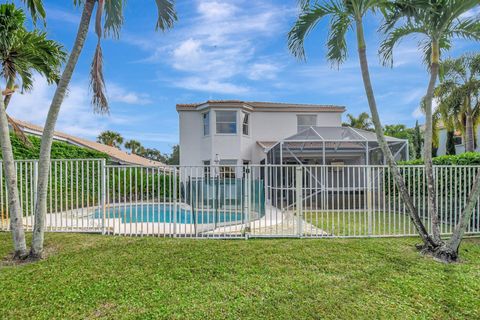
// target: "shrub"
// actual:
[[464, 159], [60, 150]]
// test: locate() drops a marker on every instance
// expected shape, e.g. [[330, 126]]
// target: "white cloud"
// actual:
[[214, 10], [199, 84], [64, 16], [417, 113], [260, 71], [76, 115], [119, 94], [221, 43]]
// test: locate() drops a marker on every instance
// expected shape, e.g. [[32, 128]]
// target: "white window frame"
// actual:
[[228, 169], [206, 124], [226, 122], [207, 168], [246, 115], [305, 126]]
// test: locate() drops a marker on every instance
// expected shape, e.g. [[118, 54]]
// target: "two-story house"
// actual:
[[234, 132]]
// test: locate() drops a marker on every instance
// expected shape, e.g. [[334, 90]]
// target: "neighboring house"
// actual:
[[116, 155], [458, 139], [235, 133]]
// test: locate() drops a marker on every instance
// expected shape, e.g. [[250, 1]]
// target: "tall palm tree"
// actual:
[[363, 121], [134, 146], [110, 138], [459, 94], [438, 22], [348, 15], [21, 53], [112, 12]]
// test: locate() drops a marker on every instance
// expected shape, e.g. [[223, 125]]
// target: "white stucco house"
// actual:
[[458, 140], [236, 133]]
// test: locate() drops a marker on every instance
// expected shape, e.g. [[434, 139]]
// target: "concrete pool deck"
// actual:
[[274, 222]]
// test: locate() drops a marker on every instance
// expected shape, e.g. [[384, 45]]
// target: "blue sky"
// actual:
[[218, 50]]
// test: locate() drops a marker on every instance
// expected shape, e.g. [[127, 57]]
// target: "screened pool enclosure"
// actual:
[[334, 146]]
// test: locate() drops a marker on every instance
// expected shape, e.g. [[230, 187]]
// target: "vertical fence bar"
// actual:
[[103, 187], [298, 194]]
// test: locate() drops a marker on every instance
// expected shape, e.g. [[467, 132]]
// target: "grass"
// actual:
[[356, 223], [94, 276]]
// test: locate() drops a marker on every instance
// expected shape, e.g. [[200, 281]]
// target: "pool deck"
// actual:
[[274, 222]]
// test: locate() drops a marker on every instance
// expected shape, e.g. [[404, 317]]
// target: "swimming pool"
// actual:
[[165, 213]]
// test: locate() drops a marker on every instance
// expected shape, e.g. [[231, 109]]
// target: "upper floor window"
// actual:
[[305, 121], [206, 123], [246, 120], [226, 122]]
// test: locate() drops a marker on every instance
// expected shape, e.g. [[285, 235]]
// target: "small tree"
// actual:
[[417, 141], [363, 121], [174, 158], [459, 95], [134, 146], [110, 138]]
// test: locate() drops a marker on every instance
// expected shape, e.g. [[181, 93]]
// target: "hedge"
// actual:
[[453, 182], [464, 159], [60, 150]]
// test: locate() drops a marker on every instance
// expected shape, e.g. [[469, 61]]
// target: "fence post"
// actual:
[[35, 180], [298, 198], [369, 200], [175, 191], [247, 200], [103, 200]]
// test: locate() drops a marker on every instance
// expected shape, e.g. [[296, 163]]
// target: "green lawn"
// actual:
[[94, 276], [356, 223]]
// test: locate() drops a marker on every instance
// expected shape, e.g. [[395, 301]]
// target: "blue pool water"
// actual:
[[165, 213]]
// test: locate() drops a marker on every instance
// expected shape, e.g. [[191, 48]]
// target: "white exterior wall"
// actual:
[[264, 126], [194, 147], [459, 148]]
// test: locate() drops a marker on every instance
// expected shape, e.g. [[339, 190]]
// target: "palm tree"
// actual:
[[348, 15], [112, 11], [134, 146], [459, 93], [110, 138], [437, 22], [363, 121], [21, 53]]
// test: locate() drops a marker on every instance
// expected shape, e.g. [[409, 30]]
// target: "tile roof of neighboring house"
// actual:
[[116, 154], [264, 106]]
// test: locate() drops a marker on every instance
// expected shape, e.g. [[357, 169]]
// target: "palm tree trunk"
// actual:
[[469, 135], [450, 143], [383, 143], [8, 97], [16, 216], [431, 199], [465, 216], [49, 129], [16, 129]]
